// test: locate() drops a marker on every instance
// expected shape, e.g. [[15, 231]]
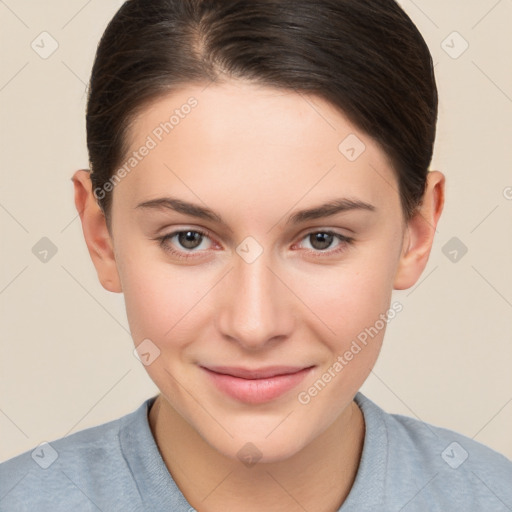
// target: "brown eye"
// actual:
[[185, 243], [320, 240], [321, 243], [189, 239]]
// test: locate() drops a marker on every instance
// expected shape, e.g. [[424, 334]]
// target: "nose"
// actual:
[[255, 307]]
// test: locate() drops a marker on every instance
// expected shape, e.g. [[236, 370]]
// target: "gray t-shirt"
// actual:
[[406, 466]]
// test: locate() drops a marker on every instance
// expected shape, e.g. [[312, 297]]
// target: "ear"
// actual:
[[419, 233], [96, 234]]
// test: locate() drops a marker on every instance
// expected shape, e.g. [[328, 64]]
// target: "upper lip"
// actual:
[[256, 373]]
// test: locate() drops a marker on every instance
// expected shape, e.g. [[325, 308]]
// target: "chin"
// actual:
[[258, 447]]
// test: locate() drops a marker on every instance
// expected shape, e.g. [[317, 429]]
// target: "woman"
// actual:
[[259, 185]]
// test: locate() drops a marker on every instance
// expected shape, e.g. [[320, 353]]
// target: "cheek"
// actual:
[[160, 299], [354, 302], [351, 297]]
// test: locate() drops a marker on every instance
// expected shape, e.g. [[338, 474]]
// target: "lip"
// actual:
[[256, 386]]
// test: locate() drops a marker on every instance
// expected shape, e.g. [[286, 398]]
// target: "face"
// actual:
[[249, 309]]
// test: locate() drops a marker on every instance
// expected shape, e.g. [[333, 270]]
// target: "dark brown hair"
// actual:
[[366, 57]]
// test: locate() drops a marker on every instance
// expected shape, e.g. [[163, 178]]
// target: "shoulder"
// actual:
[[433, 465], [69, 470]]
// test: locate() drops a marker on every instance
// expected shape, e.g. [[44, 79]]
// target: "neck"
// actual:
[[318, 477]]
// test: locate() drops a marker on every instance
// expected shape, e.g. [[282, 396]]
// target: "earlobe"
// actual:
[[419, 233], [96, 234]]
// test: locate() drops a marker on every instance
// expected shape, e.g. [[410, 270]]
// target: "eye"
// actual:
[[187, 242], [189, 239], [321, 242]]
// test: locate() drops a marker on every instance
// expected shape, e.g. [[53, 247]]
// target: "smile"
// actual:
[[256, 386]]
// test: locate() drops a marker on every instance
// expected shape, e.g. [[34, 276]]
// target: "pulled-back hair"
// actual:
[[366, 57]]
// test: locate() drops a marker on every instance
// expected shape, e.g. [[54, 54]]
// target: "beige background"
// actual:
[[66, 357]]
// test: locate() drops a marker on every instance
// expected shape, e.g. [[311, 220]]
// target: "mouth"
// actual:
[[258, 385]]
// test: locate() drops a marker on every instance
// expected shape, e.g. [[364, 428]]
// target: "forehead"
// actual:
[[242, 137]]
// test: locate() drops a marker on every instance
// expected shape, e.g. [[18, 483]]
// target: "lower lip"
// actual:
[[256, 391]]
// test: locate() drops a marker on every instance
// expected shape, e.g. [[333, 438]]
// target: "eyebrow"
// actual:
[[325, 210], [328, 209]]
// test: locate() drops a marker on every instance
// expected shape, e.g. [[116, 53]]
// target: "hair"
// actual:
[[365, 57]]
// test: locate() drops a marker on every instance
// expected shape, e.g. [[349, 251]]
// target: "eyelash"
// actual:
[[346, 241]]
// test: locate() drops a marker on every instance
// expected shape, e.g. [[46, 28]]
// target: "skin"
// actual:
[[256, 155]]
